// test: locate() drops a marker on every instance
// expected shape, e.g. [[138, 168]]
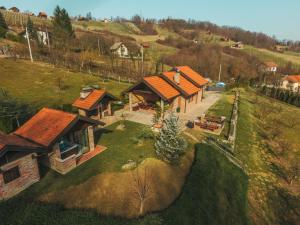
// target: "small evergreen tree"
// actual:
[[31, 30], [169, 145], [3, 26]]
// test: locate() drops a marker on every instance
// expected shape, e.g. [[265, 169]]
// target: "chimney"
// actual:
[[85, 92], [177, 78]]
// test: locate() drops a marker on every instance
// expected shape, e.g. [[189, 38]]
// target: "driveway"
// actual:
[[211, 97], [144, 117]]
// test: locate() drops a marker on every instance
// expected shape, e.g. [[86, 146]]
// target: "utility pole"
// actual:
[[29, 47], [142, 50], [220, 72]]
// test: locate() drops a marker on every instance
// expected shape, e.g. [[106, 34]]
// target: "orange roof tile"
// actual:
[[293, 78], [89, 101], [192, 75], [45, 126], [184, 84], [271, 64], [162, 87]]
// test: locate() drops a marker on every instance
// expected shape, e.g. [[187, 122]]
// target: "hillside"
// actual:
[[42, 85]]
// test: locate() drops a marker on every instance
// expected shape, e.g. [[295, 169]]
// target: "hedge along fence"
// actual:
[[234, 119], [283, 95]]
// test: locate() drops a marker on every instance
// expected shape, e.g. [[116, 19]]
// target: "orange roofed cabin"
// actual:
[[181, 89], [95, 104], [151, 91], [65, 137]]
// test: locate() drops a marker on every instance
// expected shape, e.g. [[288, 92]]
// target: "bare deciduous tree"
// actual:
[[141, 187]]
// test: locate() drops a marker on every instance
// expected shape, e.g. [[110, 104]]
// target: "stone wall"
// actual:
[[29, 174]]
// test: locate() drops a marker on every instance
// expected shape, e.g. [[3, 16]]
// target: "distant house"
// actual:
[[30, 14], [43, 15], [269, 67], [281, 48], [68, 139], [238, 45], [14, 9], [105, 20], [95, 104], [119, 49], [291, 82], [18, 164]]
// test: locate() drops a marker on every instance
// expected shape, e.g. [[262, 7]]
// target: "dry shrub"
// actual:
[[113, 193]]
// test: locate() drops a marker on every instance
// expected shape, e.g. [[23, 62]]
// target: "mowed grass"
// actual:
[[223, 107], [38, 83]]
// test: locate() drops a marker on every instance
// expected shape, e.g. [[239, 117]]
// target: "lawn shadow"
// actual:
[[98, 134]]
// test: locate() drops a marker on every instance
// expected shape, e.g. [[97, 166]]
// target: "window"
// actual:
[[11, 174]]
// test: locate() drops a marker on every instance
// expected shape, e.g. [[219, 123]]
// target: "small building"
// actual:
[[105, 20], [68, 139], [238, 45], [281, 48], [119, 49], [269, 67], [197, 79], [95, 104], [291, 82], [43, 15], [18, 165], [14, 9]]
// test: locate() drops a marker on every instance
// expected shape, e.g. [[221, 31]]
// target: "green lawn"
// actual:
[[37, 83], [206, 198]]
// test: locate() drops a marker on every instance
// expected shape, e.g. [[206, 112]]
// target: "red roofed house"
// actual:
[[269, 67], [18, 165], [291, 82], [43, 15], [67, 138], [151, 91], [180, 89], [95, 104]]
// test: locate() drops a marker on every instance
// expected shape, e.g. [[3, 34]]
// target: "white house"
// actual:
[[291, 83], [119, 49]]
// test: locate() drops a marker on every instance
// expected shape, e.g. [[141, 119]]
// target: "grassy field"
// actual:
[[280, 58], [39, 84], [262, 126]]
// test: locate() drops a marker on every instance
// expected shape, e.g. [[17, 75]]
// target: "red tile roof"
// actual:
[[162, 87], [184, 84], [293, 78], [90, 101], [13, 140], [192, 75], [271, 64], [45, 126]]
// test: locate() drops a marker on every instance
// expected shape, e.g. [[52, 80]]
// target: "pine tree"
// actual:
[[3, 26], [62, 27], [169, 145]]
